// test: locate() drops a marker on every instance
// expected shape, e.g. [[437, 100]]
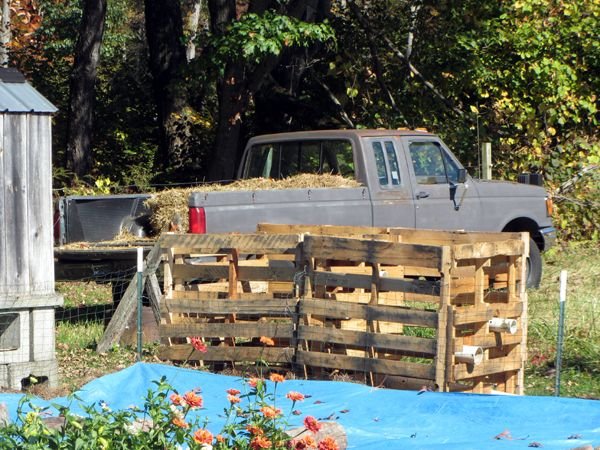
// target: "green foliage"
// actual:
[[167, 420], [255, 37]]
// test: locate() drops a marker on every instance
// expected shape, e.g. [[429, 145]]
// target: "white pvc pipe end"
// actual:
[[500, 325], [470, 354]]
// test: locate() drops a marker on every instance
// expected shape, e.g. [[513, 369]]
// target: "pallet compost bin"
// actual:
[[399, 308]]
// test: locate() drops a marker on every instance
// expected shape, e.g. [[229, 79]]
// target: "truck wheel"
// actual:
[[534, 266]]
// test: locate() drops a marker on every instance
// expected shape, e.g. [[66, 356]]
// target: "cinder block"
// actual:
[[19, 371], [3, 375], [43, 331], [22, 351]]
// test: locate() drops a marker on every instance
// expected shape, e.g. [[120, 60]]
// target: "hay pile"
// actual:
[[170, 207]]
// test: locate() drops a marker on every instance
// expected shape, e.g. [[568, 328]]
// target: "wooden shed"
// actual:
[[27, 296]]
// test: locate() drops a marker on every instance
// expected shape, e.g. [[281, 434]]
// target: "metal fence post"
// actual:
[[561, 330], [140, 293]]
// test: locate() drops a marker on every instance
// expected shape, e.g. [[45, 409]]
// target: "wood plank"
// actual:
[[245, 273], [442, 237], [220, 243], [353, 281], [332, 230], [355, 363], [244, 330], [183, 352], [265, 307], [128, 305], [153, 290], [4, 132], [326, 247], [410, 344], [474, 314], [338, 310], [489, 367], [484, 250]]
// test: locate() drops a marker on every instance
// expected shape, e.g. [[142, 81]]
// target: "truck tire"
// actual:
[[534, 266]]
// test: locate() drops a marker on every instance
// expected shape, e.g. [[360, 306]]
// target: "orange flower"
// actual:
[[220, 438], [253, 382], [233, 399], [203, 436], [193, 400], [179, 422], [198, 344], [177, 399], [267, 341], [254, 430], [328, 443], [259, 442], [276, 378], [232, 391], [312, 424], [270, 412], [295, 396], [304, 442]]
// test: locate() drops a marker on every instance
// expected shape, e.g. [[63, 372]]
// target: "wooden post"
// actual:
[[486, 161]]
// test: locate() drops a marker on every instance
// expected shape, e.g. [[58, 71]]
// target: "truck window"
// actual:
[[432, 165], [285, 159], [386, 163]]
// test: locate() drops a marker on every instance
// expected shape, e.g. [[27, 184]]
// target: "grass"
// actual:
[[580, 375], [580, 369]]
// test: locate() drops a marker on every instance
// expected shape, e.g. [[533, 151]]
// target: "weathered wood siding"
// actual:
[[26, 260]]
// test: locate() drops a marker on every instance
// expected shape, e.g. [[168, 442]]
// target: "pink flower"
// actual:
[[312, 424], [232, 391], [198, 344]]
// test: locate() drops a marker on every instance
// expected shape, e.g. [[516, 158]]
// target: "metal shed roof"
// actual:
[[18, 96]]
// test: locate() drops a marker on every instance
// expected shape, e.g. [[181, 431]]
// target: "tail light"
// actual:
[[549, 206], [197, 218]]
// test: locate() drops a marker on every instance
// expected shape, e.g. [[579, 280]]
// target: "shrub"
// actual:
[[253, 421]]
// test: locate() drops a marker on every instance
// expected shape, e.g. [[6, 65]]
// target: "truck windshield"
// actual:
[[285, 159]]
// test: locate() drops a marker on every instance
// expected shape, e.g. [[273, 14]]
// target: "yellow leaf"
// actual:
[[551, 131], [474, 109]]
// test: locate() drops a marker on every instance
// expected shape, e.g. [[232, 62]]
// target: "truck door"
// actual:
[[435, 171], [391, 194]]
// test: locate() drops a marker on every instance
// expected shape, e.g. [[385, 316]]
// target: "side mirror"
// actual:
[[461, 176]]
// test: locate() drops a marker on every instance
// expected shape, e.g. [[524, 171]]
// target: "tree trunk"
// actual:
[[164, 32], [82, 92], [4, 33]]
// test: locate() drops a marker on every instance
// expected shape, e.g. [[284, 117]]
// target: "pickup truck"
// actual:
[[407, 179]]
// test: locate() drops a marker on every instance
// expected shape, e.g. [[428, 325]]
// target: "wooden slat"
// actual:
[[338, 310], [332, 230], [489, 367], [474, 314], [326, 247], [281, 307], [413, 345], [344, 362], [488, 249], [220, 243], [183, 352], [354, 281], [245, 273], [246, 330], [440, 237]]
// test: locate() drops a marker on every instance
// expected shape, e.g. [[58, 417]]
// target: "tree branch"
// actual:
[[365, 24]]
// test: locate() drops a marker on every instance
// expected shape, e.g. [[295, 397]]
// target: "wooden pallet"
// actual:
[[387, 306], [229, 290]]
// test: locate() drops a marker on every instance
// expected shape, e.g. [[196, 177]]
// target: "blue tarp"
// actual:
[[377, 418]]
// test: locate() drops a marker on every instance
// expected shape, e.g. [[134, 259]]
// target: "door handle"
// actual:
[[422, 194]]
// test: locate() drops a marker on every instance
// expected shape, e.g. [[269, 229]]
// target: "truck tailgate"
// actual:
[[242, 210]]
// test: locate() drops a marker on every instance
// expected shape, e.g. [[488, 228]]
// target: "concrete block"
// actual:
[[20, 352], [17, 372], [43, 332]]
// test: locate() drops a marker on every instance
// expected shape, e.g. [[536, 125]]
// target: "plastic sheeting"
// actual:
[[375, 418]]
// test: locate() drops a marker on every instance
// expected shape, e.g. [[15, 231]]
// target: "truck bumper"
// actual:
[[548, 236]]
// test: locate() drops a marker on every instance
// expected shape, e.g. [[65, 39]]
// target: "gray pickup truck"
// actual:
[[407, 178]]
